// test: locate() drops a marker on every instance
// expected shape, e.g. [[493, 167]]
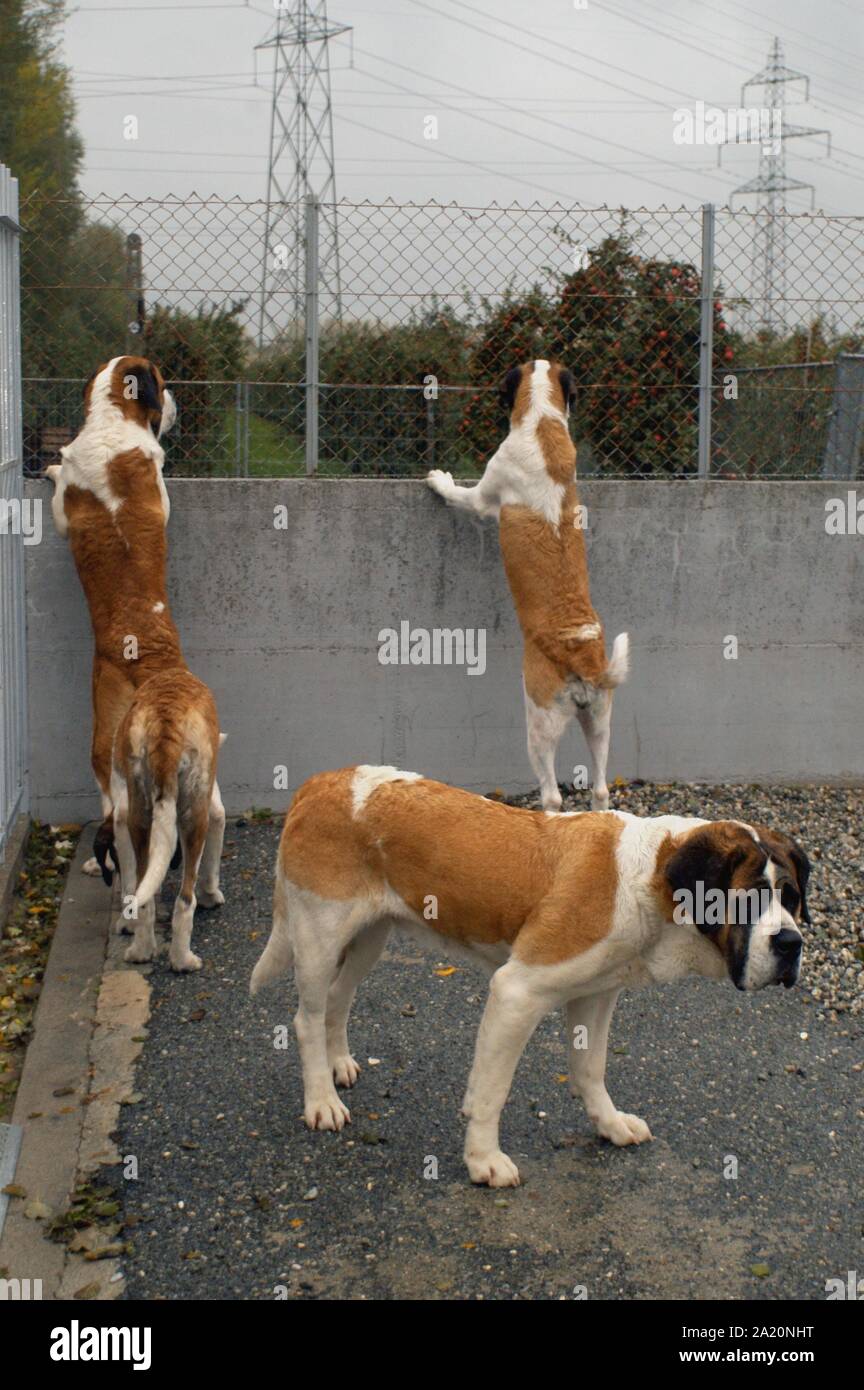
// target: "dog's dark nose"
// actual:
[[786, 943]]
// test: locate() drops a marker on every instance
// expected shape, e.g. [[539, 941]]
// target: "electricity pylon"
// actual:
[[769, 241], [301, 166]]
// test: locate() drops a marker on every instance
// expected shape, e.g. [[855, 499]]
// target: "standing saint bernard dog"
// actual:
[[529, 486], [155, 728], [560, 910]]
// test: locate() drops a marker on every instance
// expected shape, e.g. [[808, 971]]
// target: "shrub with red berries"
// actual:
[[628, 328]]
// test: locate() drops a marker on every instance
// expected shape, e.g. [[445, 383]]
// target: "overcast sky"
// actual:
[[545, 101]]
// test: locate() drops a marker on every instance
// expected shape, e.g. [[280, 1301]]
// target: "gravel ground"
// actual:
[[235, 1199]]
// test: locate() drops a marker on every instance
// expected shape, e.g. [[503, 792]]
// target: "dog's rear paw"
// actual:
[[207, 899], [345, 1070], [92, 867], [495, 1169], [138, 955], [184, 960], [625, 1129], [328, 1113]]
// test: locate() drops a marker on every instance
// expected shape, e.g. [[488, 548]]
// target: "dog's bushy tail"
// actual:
[[278, 954], [163, 839], [618, 666]]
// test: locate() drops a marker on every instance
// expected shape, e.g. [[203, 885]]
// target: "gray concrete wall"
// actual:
[[283, 624]]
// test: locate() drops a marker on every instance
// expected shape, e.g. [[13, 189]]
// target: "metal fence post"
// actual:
[[238, 429], [134, 293], [241, 429], [846, 427], [311, 302], [430, 431], [706, 340], [15, 522]]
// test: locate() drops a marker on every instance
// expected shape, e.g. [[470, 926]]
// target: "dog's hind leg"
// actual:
[[360, 958], [124, 850], [143, 947], [596, 722], [193, 834], [321, 934], [209, 893], [545, 725]]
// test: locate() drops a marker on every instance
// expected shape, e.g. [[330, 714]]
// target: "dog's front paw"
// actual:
[[624, 1129], [92, 867], [327, 1113], [494, 1169], [439, 481], [208, 899]]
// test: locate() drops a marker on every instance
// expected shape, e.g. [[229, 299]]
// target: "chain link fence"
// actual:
[[372, 338]]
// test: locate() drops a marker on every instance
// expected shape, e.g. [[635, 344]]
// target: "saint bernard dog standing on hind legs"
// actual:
[[560, 910], [155, 728], [529, 486]]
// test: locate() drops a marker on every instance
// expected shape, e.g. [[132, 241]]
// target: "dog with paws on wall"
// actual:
[[155, 729], [529, 487]]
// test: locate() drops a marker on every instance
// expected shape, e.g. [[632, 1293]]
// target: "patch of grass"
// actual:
[[272, 452]]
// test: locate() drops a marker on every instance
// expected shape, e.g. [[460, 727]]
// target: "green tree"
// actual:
[[39, 143], [203, 354], [369, 422]]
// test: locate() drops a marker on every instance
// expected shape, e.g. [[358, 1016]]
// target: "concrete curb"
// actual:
[[50, 1106]]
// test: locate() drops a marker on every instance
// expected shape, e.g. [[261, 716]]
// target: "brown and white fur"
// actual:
[[560, 910], [155, 731], [529, 486]]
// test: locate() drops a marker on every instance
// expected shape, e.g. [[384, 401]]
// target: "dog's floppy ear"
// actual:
[[802, 873], [568, 388], [103, 848], [143, 387], [509, 386], [702, 859], [800, 862]]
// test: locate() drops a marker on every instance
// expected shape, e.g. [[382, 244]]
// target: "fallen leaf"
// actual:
[[107, 1252], [88, 1291]]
